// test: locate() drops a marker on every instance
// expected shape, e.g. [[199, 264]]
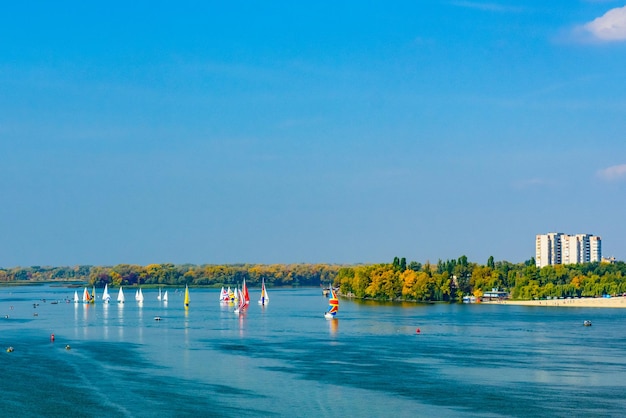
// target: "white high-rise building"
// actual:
[[558, 248]]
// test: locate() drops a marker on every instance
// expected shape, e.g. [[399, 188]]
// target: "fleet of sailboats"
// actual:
[[239, 296]]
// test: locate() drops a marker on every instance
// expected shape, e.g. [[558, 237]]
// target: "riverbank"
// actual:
[[614, 302]]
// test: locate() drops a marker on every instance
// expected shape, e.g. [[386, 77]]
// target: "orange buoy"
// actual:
[[51, 337]]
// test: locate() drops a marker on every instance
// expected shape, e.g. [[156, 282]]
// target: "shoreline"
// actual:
[[613, 302]]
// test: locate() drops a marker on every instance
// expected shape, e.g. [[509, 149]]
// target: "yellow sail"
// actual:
[[186, 296]]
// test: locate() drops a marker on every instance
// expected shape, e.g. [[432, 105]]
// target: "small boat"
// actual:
[[224, 297], [186, 296], [241, 305], [120, 296], [159, 296], [157, 318], [264, 299], [92, 299], [165, 297], [105, 295], [244, 292], [140, 296], [587, 323], [333, 305], [469, 299], [76, 300]]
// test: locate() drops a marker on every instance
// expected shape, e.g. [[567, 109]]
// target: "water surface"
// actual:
[[285, 359]]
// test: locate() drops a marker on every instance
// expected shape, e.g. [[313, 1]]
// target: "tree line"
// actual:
[[450, 280], [447, 280], [179, 275]]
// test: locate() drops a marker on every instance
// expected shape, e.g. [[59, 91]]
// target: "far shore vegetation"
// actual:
[[446, 281]]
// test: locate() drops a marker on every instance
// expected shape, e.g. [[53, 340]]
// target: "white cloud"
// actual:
[[609, 27], [613, 173]]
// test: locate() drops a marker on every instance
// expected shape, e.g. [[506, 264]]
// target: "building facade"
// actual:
[[558, 248]]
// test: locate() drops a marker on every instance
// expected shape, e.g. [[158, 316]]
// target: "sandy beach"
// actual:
[[614, 302]]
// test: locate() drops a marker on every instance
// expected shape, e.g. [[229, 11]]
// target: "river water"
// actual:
[[285, 359]]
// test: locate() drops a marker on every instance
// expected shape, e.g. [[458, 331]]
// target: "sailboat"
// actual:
[[76, 300], [137, 295], [165, 297], [264, 299], [105, 295], [159, 297], [120, 296], [333, 304], [140, 296], [244, 292], [224, 295], [241, 306], [186, 296], [86, 296]]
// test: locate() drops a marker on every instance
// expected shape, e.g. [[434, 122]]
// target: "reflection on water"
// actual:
[[519, 361], [120, 320], [333, 325], [105, 320]]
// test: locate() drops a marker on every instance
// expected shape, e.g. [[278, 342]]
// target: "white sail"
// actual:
[[120, 296], [165, 296], [241, 305], [105, 295], [140, 296], [159, 297], [86, 296], [76, 300], [137, 294]]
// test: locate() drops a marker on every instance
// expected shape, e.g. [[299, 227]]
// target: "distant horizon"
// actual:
[[210, 133], [294, 263]]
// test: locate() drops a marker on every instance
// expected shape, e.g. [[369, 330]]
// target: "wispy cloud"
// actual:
[[490, 7], [610, 27], [613, 173]]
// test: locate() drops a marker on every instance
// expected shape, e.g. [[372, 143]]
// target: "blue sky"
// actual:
[[285, 132]]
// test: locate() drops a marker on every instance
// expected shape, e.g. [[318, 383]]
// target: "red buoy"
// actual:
[[51, 337], [417, 331]]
